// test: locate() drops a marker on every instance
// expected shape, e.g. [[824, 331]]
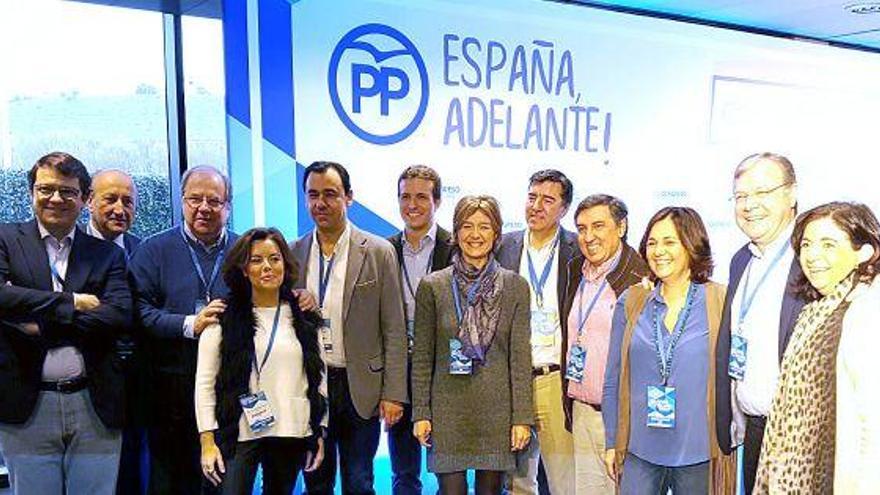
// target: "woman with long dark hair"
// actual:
[[259, 381]]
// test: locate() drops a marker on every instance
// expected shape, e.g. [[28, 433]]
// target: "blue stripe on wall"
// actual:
[[276, 74], [235, 59], [241, 175], [280, 189]]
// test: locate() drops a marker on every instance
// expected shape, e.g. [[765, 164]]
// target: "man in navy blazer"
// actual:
[[61, 391], [112, 207], [540, 254], [760, 309], [422, 247]]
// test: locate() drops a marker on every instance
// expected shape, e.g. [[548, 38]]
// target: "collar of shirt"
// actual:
[[341, 243], [774, 246], [594, 273], [426, 240], [94, 232], [45, 233], [207, 247], [544, 250]]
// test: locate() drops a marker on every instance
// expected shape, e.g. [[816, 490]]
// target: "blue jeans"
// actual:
[[62, 448], [641, 477], [352, 437]]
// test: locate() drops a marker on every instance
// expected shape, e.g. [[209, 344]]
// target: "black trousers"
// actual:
[[175, 451], [282, 460], [351, 437], [752, 450]]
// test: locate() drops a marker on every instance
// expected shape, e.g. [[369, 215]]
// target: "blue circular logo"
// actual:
[[384, 77]]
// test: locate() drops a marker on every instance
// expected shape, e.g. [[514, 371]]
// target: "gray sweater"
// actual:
[[471, 415]]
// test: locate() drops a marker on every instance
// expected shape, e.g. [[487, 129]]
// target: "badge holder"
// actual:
[[459, 364], [739, 347], [543, 327], [661, 407], [577, 358], [257, 411]]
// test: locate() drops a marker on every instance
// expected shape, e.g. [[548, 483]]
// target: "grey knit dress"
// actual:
[[471, 415]]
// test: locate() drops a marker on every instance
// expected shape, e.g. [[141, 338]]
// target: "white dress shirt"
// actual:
[[283, 378], [760, 327], [61, 363], [332, 308], [94, 232], [544, 350]]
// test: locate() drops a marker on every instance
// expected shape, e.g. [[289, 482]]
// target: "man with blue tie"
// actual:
[[61, 392]]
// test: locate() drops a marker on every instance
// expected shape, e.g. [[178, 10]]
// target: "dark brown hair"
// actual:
[[469, 205], [422, 172], [65, 164], [235, 264], [692, 233], [615, 205], [859, 223]]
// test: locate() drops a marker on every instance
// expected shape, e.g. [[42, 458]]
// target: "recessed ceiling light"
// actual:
[[863, 8]]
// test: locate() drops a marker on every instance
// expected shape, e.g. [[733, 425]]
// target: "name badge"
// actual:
[[661, 407], [326, 336], [739, 347], [544, 323], [459, 364], [577, 358], [257, 411], [410, 333]]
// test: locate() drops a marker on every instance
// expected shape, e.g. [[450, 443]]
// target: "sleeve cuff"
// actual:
[[189, 326]]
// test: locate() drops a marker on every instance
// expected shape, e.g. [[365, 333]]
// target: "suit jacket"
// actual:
[[95, 267], [791, 307], [374, 328], [442, 256], [131, 242], [630, 269]]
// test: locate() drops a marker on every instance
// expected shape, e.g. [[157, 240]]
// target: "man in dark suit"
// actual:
[[422, 247], [61, 393], [178, 291], [760, 309], [363, 338], [540, 254], [112, 208]]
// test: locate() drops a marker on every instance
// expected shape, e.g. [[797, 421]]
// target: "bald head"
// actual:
[[112, 203]]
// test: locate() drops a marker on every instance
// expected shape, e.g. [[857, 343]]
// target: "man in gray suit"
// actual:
[[363, 338]]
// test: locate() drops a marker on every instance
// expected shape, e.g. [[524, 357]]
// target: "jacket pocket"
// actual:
[[376, 363]]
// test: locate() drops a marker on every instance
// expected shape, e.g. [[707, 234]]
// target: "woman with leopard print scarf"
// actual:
[[838, 248]]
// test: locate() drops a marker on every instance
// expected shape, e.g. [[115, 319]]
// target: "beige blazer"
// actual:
[[374, 327]]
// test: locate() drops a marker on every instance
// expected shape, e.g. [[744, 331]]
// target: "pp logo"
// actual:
[[378, 84]]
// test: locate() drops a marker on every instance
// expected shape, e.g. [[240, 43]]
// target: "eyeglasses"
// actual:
[[66, 193], [195, 202], [760, 195]]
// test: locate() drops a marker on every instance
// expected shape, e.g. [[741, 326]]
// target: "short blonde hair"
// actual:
[[469, 205]]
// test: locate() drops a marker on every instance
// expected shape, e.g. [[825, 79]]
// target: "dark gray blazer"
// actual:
[[374, 328], [791, 307]]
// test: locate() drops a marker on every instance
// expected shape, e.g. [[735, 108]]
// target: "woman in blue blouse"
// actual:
[[658, 398]]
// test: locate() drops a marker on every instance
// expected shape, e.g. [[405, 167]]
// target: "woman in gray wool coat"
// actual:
[[471, 370]]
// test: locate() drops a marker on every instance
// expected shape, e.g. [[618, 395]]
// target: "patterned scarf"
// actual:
[[481, 306], [814, 314]]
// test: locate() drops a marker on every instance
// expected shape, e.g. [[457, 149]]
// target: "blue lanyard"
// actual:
[[748, 299], [259, 369], [324, 276], [665, 353], [406, 272], [471, 296], [195, 261], [582, 318], [538, 285]]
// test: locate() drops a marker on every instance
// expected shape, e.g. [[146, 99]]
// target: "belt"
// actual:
[[595, 407], [65, 386], [545, 369]]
